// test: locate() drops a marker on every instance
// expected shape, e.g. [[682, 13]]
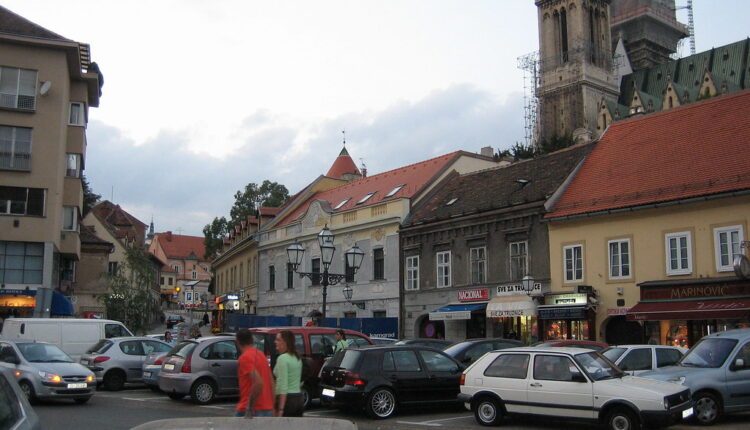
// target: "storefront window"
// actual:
[[566, 330], [522, 328]]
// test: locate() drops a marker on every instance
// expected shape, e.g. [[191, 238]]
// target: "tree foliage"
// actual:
[[90, 198], [132, 299], [521, 151], [555, 143], [247, 202], [213, 236]]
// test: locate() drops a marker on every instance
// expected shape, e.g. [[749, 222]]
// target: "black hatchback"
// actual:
[[469, 351], [381, 379]]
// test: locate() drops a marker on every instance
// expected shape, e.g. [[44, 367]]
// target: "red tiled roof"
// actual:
[[179, 246], [343, 165], [120, 223], [88, 236], [691, 151], [166, 268], [267, 210], [12, 23], [414, 177]]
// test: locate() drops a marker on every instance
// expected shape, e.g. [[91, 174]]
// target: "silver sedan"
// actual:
[[118, 360]]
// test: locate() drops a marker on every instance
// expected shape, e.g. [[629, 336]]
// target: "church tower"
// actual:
[[576, 70]]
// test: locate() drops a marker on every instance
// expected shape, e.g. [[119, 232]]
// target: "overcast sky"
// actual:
[[202, 97]]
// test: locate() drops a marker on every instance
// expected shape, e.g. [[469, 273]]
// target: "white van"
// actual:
[[73, 335]]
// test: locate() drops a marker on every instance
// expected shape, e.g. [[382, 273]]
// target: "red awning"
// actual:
[[691, 310]]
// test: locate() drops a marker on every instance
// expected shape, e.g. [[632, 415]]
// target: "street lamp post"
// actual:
[[528, 284], [295, 253]]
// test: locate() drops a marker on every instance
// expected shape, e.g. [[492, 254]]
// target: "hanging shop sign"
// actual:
[[517, 289], [473, 295], [566, 299]]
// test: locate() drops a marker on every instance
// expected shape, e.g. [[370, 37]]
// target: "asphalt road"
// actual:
[[137, 405]]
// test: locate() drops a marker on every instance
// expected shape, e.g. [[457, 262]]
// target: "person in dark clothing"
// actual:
[[205, 318]]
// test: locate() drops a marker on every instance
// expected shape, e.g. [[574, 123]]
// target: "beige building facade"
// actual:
[[47, 85]]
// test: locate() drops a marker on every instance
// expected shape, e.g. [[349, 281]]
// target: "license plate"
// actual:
[[687, 412], [169, 366], [84, 362], [329, 393], [146, 374], [78, 385]]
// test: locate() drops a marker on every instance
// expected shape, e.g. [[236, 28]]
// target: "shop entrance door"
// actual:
[[476, 327]]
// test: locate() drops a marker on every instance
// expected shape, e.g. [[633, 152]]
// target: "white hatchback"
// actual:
[[568, 383], [637, 359]]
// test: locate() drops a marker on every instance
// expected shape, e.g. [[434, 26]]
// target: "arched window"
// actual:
[[564, 35]]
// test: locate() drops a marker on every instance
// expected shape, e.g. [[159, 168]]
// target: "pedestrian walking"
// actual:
[[254, 375], [341, 342], [205, 318], [288, 373]]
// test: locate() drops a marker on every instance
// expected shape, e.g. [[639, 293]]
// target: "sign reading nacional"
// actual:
[[473, 295], [516, 289]]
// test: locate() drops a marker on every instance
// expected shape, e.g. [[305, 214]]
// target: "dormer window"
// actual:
[[395, 190], [342, 203], [451, 201], [366, 197]]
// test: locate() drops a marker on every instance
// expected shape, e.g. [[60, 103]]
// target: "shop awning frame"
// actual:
[[460, 311], [563, 312], [735, 308], [511, 306]]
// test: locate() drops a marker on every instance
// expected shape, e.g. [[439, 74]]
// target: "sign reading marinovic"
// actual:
[[515, 289]]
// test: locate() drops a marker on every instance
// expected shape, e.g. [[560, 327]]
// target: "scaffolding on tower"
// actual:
[[529, 63]]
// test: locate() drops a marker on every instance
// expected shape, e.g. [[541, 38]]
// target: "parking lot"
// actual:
[[136, 405]]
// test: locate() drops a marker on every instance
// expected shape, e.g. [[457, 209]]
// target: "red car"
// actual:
[[588, 344], [315, 345]]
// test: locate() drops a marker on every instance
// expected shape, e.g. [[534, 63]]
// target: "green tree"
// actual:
[[555, 143], [90, 198], [247, 202], [213, 236], [132, 299], [521, 151]]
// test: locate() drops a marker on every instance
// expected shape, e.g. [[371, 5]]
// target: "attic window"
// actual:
[[395, 190], [451, 201], [366, 198], [342, 203]]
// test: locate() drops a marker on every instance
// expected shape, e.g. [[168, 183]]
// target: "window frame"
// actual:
[[73, 218], [688, 250], [28, 262], [14, 155], [378, 264], [629, 263], [315, 278], [81, 116], [440, 281], [572, 247], [33, 78], [76, 170], [412, 270], [480, 262], [289, 276], [520, 257], [271, 278], [27, 198], [718, 231]]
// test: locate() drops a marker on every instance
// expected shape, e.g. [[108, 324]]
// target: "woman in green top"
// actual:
[[288, 374], [341, 343]]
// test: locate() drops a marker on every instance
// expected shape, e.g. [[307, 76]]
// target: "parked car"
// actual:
[[568, 383], [315, 345], [717, 371], [440, 344], [573, 343], [119, 360], [383, 340], [44, 371], [152, 368], [15, 411], [636, 359], [73, 335], [469, 351], [203, 368], [380, 379], [173, 320]]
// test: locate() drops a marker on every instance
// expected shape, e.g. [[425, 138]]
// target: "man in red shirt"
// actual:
[[256, 384]]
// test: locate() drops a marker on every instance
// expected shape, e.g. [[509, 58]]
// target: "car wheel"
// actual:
[[487, 411], [114, 380], [622, 419], [707, 408], [28, 390], [175, 396], [82, 400], [203, 391], [380, 404], [306, 397]]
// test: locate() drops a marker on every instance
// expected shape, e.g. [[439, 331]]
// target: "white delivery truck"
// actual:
[[73, 335]]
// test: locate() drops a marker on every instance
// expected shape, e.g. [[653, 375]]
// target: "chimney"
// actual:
[[169, 236], [487, 151]]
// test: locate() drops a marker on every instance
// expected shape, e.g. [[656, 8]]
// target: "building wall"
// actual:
[[646, 230], [236, 271], [92, 279]]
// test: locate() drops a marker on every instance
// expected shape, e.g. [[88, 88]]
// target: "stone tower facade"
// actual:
[[649, 30], [576, 68]]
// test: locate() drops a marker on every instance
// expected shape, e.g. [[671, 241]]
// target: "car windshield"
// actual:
[[43, 353], [183, 349], [598, 367], [709, 352], [613, 353]]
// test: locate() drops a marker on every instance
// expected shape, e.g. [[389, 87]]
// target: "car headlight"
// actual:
[[51, 377], [90, 378], [677, 380]]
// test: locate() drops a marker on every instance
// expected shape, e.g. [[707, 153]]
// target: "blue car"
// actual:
[[717, 371]]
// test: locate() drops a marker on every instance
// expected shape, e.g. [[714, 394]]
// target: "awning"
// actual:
[[455, 312], [691, 310], [559, 312], [61, 305], [513, 306]]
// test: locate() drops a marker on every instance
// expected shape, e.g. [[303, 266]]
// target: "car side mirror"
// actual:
[[578, 377], [738, 364]]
